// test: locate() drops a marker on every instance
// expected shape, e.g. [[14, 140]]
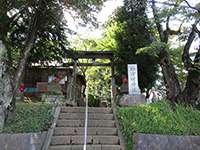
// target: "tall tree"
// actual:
[[183, 11], [21, 25], [168, 69], [31, 18], [130, 31]]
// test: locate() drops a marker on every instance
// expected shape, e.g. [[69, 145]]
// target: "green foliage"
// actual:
[[19, 18], [158, 118], [84, 9], [30, 117], [176, 58], [127, 31], [153, 49], [98, 78], [108, 42], [98, 81], [25, 17], [93, 101]]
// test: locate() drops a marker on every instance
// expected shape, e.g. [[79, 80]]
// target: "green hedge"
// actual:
[[30, 117], [158, 118]]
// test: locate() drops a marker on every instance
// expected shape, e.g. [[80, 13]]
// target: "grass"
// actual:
[[30, 117], [158, 118]]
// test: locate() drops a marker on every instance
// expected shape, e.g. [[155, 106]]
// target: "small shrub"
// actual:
[[30, 117], [93, 101], [158, 118]]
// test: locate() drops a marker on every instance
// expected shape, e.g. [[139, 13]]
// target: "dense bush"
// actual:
[[93, 101], [158, 118], [30, 117]]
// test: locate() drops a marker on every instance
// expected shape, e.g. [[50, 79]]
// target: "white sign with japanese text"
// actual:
[[133, 86]]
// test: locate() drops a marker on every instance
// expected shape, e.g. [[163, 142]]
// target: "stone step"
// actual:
[[82, 110], [80, 131], [72, 140], [81, 116], [81, 123], [89, 147]]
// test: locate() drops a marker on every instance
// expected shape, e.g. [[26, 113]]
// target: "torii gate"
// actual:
[[93, 55]]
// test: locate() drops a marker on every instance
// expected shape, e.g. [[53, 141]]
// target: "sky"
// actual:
[[102, 17]]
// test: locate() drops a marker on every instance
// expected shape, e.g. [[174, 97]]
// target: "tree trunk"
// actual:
[[5, 85], [169, 74], [31, 36], [7, 92], [22, 64], [170, 77], [191, 92]]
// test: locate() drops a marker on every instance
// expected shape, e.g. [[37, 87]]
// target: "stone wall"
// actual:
[[166, 142], [27, 141], [130, 100]]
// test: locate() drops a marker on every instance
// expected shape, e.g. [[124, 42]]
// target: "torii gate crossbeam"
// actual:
[[75, 55]]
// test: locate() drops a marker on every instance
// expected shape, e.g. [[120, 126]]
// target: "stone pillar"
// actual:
[[133, 86], [74, 84], [71, 89], [134, 96]]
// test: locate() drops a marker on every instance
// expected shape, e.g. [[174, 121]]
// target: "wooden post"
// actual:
[[71, 98], [74, 98], [113, 87]]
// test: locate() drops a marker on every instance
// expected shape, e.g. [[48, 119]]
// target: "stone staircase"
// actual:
[[69, 131]]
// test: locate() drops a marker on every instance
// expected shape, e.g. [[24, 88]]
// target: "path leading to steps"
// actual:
[[102, 133]]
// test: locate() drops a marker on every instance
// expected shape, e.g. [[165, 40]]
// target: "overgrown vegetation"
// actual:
[[30, 117], [158, 118]]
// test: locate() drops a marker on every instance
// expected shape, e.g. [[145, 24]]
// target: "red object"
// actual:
[[42, 86], [56, 78], [124, 79], [22, 88]]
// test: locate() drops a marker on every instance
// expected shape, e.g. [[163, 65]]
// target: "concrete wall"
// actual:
[[166, 142], [27, 141]]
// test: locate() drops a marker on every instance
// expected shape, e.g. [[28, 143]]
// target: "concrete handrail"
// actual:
[[121, 138], [51, 129]]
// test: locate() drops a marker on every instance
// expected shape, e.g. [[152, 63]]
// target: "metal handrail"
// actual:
[[86, 125]]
